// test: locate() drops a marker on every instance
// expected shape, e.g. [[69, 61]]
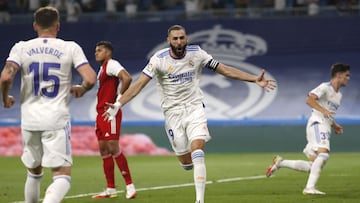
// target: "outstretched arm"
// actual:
[[6, 79], [237, 74], [129, 94]]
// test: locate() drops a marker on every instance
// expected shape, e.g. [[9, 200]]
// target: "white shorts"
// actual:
[[50, 149], [185, 124], [317, 136]]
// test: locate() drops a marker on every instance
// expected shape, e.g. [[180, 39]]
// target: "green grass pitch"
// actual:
[[232, 178]]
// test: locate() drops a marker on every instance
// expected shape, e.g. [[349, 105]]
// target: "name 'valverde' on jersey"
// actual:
[[178, 79], [327, 98], [45, 87]]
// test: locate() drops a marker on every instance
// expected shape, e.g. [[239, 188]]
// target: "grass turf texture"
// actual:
[[340, 180]]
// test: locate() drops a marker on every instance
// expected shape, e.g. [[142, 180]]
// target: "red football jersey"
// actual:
[[108, 84]]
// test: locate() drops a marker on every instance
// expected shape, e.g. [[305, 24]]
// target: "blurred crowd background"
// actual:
[[20, 11]]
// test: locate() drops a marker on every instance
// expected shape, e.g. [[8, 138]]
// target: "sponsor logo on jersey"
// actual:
[[224, 98]]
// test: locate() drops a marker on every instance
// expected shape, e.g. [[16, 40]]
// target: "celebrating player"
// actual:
[[177, 70], [324, 101]]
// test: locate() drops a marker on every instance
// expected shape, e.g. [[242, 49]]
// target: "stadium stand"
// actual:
[[20, 11]]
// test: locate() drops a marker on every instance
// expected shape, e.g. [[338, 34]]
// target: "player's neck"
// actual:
[[105, 61], [335, 85], [47, 34], [175, 56]]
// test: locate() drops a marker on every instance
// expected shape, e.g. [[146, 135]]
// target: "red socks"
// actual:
[[122, 163], [108, 165]]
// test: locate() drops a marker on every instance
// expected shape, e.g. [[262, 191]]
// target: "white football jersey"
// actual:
[[178, 80], [46, 67], [328, 98]]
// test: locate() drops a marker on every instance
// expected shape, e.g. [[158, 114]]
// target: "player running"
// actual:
[[324, 100], [177, 70]]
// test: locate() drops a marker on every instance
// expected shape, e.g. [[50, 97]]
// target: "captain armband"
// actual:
[[212, 64]]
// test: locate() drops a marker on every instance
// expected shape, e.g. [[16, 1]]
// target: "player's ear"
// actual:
[[35, 26], [57, 27]]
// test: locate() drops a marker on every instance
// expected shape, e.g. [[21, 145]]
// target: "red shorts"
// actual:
[[108, 130]]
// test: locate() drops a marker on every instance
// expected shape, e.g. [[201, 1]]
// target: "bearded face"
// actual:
[[179, 50], [177, 40]]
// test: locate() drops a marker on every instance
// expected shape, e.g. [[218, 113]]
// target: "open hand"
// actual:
[[112, 110], [268, 85]]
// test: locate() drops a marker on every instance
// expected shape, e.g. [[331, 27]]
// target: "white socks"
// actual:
[[299, 165], [198, 160], [57, 189], [32, 188], [316, 169]]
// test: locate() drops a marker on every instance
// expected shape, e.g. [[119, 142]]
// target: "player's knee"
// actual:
[[36, 170], [324, 156], [187, 167]]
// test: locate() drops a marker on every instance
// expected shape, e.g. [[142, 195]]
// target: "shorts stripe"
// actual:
[[67, 134], [317, 132], [113, 126]]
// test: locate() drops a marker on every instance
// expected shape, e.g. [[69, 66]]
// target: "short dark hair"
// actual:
[[45, 17], [106, 44], [176, 27], [339, 68]]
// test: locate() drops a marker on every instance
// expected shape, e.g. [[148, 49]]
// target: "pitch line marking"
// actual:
[[171, 186], [178, 185]]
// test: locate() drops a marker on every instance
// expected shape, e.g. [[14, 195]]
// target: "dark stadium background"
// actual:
[[299, 53]]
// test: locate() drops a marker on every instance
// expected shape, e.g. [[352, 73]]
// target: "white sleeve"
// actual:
[[79, 57], [15, 53], [150, 68], [206, 57], [113, 68], [319, 91]]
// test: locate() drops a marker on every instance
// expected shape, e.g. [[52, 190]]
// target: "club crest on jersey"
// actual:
[[170, 68], [230, 47], [191, 63]]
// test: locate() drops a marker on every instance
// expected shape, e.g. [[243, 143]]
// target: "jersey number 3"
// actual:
[[40, 76]]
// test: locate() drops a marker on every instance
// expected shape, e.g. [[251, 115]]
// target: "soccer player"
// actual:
[[46, 64], [110, 76], [324, 101], [177, 70]]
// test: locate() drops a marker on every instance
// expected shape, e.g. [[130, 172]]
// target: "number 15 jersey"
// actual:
[[46, 75]]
